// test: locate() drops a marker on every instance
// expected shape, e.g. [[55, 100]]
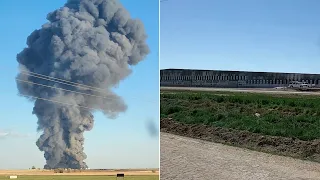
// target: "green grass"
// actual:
[[60, 177], [281, 115]]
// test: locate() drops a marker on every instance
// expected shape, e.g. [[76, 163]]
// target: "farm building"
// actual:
[[232, 79]]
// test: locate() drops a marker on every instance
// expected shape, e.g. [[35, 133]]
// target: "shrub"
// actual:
[[292, 104], [264, 102], [59, 170], [174, 109], [220, 99]]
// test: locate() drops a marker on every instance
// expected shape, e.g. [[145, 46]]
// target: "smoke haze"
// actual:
[[152, 128], [92, 42]]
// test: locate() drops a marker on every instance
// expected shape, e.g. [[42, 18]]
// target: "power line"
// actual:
[[65, 82], [44, 99], [45, 77], [67, 89], [61, 88]]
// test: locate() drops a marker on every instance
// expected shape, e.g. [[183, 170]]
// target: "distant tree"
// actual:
[[33, 167], [59, 170]]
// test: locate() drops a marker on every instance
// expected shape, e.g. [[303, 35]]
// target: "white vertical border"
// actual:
[[159, 85]]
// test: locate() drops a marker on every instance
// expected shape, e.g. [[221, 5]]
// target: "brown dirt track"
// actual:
[[296, 148], [184, 158]]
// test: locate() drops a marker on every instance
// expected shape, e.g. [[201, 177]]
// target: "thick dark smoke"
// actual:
[[91, 42]]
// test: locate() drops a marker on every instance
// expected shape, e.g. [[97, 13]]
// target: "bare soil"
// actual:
[[292, 147], [184, 158]]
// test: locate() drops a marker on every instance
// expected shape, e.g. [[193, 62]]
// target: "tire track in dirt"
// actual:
[[185, 158], [293, 147]]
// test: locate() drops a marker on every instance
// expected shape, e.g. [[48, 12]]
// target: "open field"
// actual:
[[83, 177], [151, 174], [187, 158], [286, 124], [280, 115]]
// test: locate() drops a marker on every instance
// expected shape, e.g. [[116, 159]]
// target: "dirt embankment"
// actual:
[[292, 147]]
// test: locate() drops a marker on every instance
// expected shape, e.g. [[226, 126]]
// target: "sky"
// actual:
[[252, 35], [124, 142]]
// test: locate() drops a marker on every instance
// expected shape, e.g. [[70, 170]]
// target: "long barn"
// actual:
[[232, 79]]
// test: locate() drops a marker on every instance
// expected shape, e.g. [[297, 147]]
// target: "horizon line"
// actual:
[[246, 71]]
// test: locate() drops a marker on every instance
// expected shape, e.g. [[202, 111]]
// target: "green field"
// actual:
[[59, 177], [295, 116]]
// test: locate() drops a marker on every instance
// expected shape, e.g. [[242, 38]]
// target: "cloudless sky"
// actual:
[[121, 143], [253, 35]]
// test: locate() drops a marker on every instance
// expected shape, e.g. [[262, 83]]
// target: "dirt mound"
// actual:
[[271, 144]]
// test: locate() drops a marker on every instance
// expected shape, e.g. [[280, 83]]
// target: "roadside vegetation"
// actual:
[[295, 116]]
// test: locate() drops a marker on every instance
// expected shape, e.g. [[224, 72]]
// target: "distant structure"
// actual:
[[120, 176], [232, 79]]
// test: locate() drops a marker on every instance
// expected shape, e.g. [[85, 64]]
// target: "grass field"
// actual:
[[61, 177], [280, 115]]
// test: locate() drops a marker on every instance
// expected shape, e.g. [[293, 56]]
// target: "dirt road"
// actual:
[[251, 90], [185, 159]]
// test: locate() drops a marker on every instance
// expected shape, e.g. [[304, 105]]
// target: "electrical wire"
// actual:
[[53, 79], [44, 99], [66, 82], [30, 82]]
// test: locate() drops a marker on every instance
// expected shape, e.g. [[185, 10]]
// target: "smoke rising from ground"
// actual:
[[91, 42]]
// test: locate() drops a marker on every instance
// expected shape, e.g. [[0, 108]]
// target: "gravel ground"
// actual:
[[185, 158]]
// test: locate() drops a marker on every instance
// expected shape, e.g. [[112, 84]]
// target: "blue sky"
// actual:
[[254, 35], [120, 143]]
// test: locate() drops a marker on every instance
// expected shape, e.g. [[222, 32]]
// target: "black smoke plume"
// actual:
[[92, 42]]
